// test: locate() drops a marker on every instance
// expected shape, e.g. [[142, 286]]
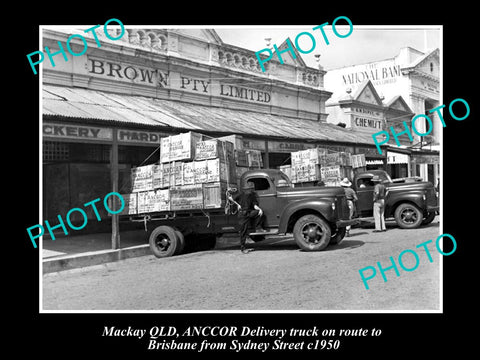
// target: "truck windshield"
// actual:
[[385, 177], [282, 180]]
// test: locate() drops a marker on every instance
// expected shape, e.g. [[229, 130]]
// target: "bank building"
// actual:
[[393, 90], [105, 111]]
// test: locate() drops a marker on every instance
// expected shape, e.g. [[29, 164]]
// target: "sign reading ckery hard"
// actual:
[[72, 131], [125, 72], [82, 132]]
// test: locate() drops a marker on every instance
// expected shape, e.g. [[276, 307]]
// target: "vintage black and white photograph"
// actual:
[[241, 168]]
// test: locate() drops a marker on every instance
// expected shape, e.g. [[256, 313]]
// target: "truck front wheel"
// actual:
[[408, 216], [338, 236], [311, 233], [164, 241]]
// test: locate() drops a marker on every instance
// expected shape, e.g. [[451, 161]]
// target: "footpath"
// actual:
[[77, 251]]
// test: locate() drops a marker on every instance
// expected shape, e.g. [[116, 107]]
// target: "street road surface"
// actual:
[[277, 275]]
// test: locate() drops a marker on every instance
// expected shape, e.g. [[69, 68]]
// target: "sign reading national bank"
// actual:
[[371, 72], [171, 80]]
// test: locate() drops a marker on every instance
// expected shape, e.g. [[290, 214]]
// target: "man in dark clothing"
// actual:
[[250, 215], [379, 194]]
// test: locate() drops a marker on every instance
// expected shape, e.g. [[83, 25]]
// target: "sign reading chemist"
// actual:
[[161, 79], [370, 123], [366, 119]]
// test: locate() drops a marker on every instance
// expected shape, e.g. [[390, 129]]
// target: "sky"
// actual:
[[364, 44]]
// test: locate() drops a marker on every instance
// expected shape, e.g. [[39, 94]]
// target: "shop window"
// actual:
[[55, 151]]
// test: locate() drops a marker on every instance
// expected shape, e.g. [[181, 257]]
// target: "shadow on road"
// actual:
[[346, 244]]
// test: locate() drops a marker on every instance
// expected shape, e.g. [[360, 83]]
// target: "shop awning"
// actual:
[[374, 162], [101, 106], [397, 158]]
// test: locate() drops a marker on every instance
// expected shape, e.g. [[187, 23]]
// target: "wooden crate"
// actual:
[[142, 178], [217, 170], [214, 195], [254, 159], [161, 200], [236, 140], [145, 202], [310, 171], [189, 173], [241, 158], [186, 197], [200, 170], [130, 204], [179, 147], [212, 149]]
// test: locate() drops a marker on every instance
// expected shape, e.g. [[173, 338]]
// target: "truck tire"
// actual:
[[181, 242], [163, 241], [338, 236], [312, 233], [429, 218], [408, 216]]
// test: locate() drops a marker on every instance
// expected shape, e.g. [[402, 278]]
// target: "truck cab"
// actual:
[[316, 216], [410, 203]]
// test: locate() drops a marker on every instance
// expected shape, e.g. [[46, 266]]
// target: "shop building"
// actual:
[[361, 110], [410, 81], [105, 111]]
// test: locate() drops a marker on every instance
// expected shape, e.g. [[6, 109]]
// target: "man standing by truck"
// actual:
[[379, 194], [351, 197], [250, 215]]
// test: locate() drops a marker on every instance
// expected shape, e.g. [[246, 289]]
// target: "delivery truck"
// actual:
[[315, 216], [186, 194]]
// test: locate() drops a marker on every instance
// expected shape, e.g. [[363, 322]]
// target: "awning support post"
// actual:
[[114, 180]]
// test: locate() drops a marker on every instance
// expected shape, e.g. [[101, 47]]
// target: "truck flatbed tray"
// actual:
[[163, 215]]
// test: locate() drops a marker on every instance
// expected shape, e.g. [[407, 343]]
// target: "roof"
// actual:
[[420, 59], [105, 107]]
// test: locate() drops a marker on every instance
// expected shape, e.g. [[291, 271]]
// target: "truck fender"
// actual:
[[413, 197], [315, 205]]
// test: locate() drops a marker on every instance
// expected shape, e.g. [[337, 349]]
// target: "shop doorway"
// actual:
[[278, 159]]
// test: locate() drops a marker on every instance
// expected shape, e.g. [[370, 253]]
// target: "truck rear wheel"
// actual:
[[181, 242], [164, 241], [311, 233], [429, 218], [408, 216]]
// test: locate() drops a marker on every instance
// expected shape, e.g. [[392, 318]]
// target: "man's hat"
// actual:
[[345, 182]]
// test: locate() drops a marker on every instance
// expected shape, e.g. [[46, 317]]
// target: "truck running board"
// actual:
[[271, 232]]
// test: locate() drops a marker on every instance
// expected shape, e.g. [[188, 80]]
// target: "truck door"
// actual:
[[364, 186], [267, 198]]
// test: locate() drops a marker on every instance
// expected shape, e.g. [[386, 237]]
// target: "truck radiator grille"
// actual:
[[342, 208]]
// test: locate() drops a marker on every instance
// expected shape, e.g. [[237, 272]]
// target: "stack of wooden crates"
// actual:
[[319, 165], [245, 159], [193, 173]]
